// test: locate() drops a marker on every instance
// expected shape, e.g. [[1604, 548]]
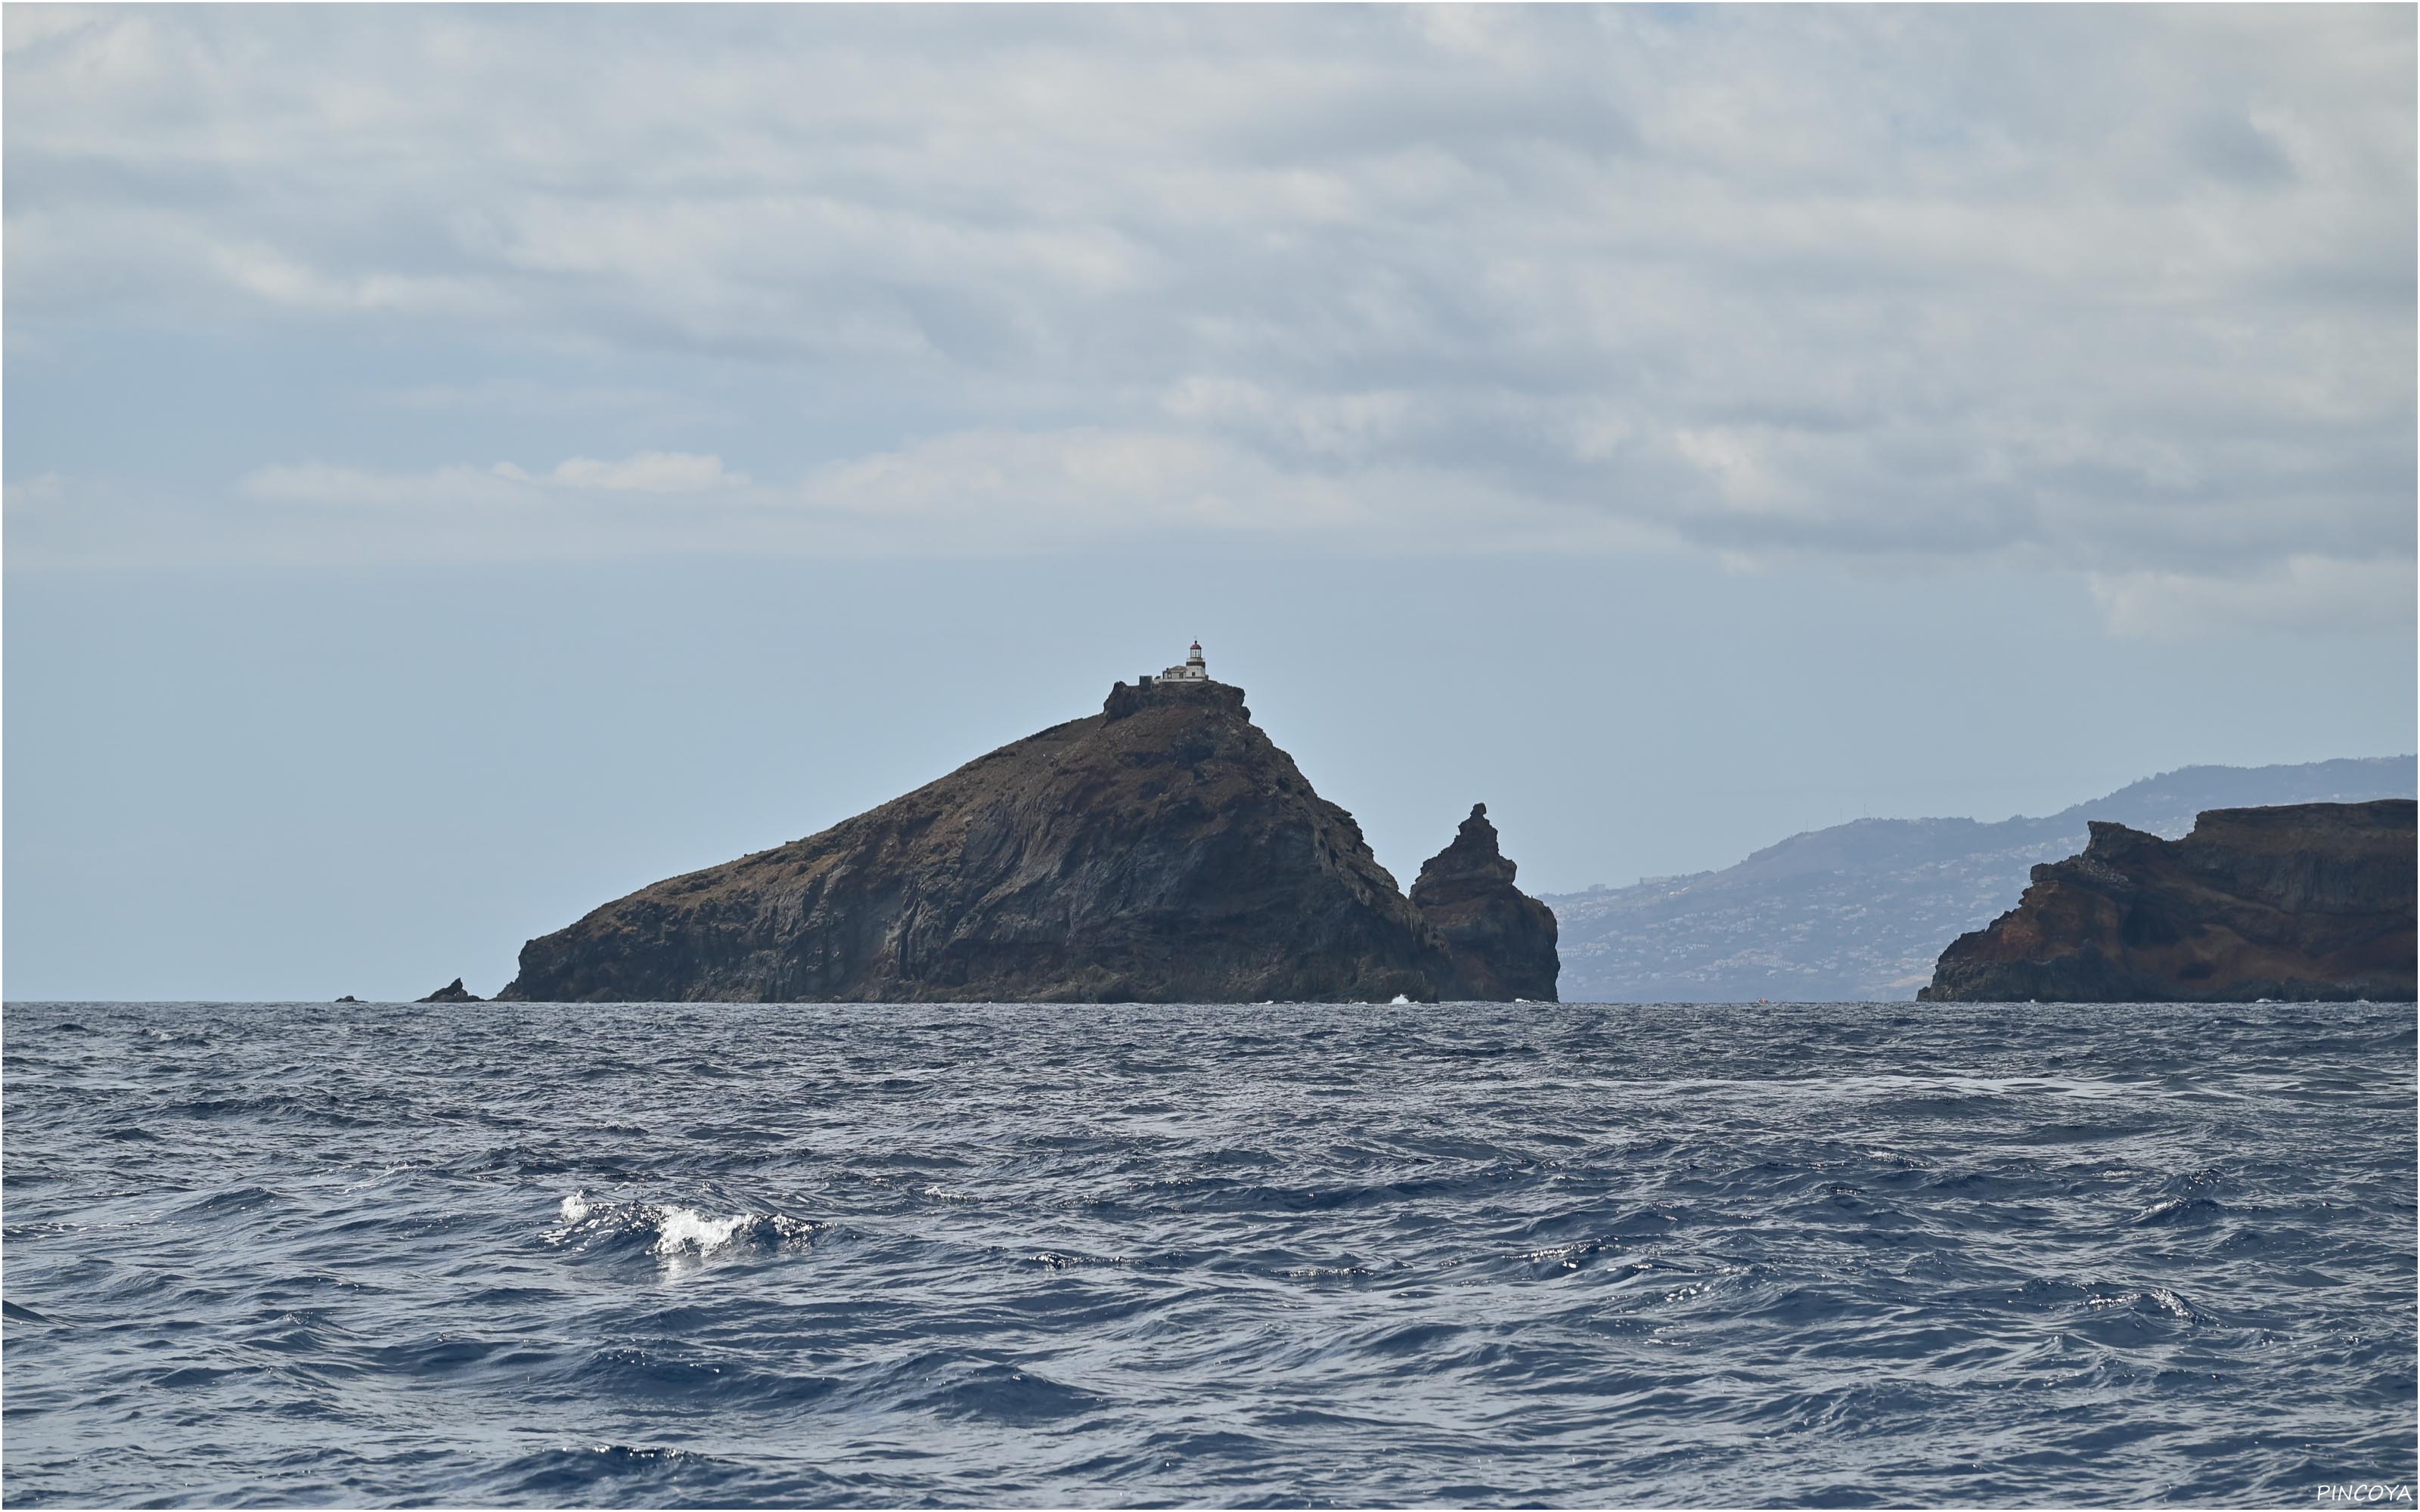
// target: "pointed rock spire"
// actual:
[[1502, 939]]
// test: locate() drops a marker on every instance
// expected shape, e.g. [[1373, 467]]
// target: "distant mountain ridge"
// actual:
[[1862, 911]]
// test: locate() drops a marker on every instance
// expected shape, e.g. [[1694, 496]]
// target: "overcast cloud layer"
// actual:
[[2121, 293]]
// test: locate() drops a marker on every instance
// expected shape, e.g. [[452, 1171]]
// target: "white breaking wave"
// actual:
[[686, 1231], [678, 1233]]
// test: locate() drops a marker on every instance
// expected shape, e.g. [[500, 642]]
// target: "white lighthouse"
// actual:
[[1194, 671]]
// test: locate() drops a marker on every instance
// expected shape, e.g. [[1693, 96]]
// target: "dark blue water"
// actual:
[[1135, 1255]]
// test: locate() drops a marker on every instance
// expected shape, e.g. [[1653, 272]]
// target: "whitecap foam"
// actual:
[[686, 1231], [575, 1208]]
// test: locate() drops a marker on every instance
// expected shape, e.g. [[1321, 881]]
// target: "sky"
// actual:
[[462, 465]]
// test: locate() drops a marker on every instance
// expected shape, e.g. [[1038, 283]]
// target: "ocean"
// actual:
[[1486, 1255]]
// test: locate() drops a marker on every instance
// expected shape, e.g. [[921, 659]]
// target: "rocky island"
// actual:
[[2307, 902], [1163, 850]]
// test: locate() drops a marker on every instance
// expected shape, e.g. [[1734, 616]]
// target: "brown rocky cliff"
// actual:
[[2302, 902], [1502, 939], [1161, 851]]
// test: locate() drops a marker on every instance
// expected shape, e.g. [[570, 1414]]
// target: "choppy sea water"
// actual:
[[1081, 1255]]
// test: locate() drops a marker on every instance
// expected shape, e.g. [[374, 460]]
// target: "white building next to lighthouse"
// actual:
[[1194, 671]]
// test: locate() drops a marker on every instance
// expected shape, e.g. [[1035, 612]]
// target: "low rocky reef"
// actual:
[[2310, 902], [1163, 850]]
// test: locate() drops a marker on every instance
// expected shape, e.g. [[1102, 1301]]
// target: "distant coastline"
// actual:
[[1861, 912]]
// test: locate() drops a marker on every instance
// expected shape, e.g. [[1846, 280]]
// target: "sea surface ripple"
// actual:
[[686, 1255]]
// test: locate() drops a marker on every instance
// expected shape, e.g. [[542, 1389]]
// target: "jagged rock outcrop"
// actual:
[[1501, 939], [453, 992], [2305, 903], [1163, 850]]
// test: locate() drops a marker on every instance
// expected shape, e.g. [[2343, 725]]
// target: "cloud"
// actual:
[[2305, 595], [2115, 292], [502, 484], [29, 24], [44, 491], [316, 483], [1321, 424], [986, 490], [526, 397], [648, 473], [1027, 490]]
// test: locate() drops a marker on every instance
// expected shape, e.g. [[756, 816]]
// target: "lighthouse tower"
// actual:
[[1194, 671]]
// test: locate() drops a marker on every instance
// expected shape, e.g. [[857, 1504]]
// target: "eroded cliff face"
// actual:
[[1161, 851], [1501, 939], [2300, 903]]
